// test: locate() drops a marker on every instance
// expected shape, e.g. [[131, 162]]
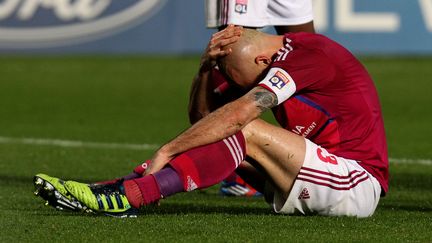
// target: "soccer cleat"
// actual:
[[109, 199], [52, 190], [238, 187]]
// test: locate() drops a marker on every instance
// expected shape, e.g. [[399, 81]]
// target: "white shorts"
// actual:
[[258, 13], [330, 185]]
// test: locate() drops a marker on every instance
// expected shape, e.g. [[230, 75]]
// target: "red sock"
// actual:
[[149, 189], [208, 165], [137, 173], [232, 177], [142, 191], [140, 169], [197, 168]]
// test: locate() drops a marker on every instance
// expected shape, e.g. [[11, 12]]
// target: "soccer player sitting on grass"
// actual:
[[329, 157], [285, 16]]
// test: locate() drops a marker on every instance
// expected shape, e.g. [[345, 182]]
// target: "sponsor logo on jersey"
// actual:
[[45, 23], [279, 80], [299, 129], [241, 6]]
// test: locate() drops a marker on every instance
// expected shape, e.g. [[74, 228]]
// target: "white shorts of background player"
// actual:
[[258, 13]]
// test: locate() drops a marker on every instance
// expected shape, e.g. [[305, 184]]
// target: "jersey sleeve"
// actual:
[[302, 70], [279, 82]]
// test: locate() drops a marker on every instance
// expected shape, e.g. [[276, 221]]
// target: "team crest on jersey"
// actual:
[[279, 80], [241, 6]]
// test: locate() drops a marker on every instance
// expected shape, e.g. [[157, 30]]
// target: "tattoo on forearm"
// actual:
[[265, 99]]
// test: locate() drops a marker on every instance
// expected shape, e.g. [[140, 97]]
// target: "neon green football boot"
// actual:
[[109, 199], [52, 190]]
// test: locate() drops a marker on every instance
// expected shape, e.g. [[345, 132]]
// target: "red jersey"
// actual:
[[326, 95]]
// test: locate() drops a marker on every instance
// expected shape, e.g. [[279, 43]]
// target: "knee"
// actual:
[[252, 129]]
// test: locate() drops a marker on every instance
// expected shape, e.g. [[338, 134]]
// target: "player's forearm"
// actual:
[[200, 97], [218, 125], [223, 122]]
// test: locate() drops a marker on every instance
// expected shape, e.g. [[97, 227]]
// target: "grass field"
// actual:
[[99, 104]]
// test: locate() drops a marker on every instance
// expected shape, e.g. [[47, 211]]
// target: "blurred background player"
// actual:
[[285, 15]]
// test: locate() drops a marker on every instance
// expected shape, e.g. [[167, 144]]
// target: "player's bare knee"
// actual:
[[249, 130], [254, 129]]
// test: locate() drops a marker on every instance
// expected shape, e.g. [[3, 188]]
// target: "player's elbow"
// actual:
[[195, 116], [196, 113]]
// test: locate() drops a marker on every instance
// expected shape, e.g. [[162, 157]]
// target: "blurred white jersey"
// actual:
[[258, 13]]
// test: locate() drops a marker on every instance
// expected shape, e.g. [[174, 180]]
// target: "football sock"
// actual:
[[168, 181], [207, 165], [200, 167], [140, 169], [231, 177], [137, 173], [142, 191], [130, 176], [151, 188]]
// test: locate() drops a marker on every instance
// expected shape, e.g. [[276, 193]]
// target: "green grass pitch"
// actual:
[[143, 100]]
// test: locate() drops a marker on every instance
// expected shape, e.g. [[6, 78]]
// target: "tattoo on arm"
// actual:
[[264, 99]]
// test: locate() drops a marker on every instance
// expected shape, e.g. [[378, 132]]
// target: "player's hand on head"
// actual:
[[219, 40], [226, 36], [215, 48]]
